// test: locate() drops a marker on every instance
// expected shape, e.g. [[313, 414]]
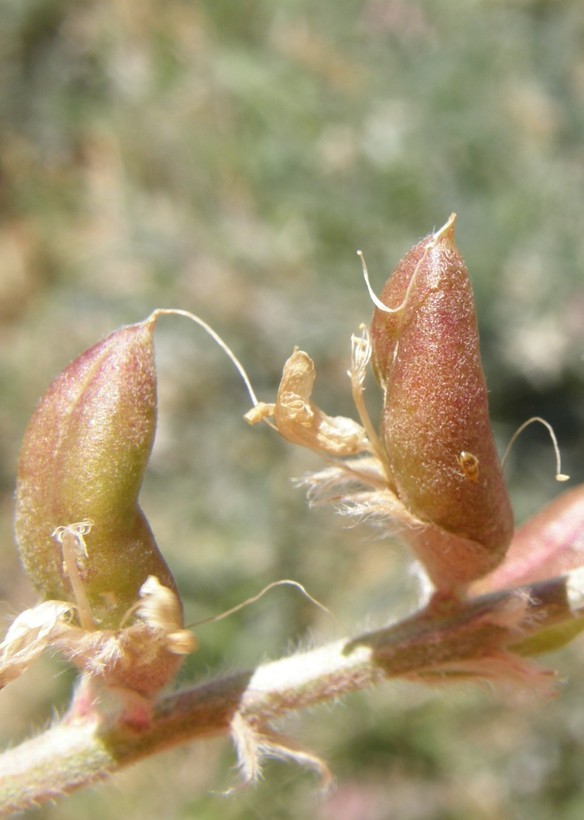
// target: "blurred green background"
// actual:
[[229, 158]]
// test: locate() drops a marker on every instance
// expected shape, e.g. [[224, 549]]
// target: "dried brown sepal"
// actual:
[[140, 657], [161, 608], [436, 429], [255, 741], [29, 635]]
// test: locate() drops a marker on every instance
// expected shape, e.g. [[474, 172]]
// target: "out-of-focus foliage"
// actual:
[[230, 158]]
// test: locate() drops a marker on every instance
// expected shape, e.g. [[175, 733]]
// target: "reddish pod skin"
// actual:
[[436, 430], [549, 544]]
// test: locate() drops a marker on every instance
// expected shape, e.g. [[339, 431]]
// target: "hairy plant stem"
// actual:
[[446, 639]]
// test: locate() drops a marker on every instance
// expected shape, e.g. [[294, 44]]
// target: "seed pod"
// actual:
[[81, 465], [435, 428], [549, 544]]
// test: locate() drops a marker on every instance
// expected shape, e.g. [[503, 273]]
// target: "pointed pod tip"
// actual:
[[150, 321], [145, 326], [445, 234]]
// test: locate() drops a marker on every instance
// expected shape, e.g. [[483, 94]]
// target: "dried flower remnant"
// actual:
[[160, 608], [298, 418], [141, 656], [432, 468], [28, 636]]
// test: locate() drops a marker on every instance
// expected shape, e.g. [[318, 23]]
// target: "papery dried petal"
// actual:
[[29, 634], [300, 421], [160, 608]]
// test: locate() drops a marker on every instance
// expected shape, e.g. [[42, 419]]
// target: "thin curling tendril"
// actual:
[[431, 244], [254, 598], [560, 476], [219, 341]]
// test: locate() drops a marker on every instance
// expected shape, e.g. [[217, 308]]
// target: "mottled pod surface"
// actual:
[[83, 457], [435, 428]]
